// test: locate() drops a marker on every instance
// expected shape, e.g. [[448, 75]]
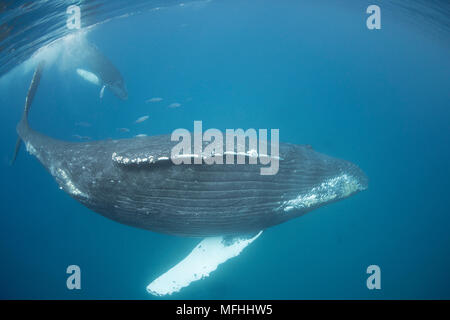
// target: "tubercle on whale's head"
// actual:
[[338, 179]]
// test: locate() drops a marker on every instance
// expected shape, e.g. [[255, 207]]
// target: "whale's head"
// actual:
[[119, 88], [319, 180]]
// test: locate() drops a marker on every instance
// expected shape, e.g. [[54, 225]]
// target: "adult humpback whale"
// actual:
[[134, 182]]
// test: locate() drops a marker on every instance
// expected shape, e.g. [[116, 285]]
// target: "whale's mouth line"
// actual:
[[335, 188]]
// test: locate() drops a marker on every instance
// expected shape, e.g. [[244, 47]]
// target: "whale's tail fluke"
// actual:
[[28, 101], [16, 150]]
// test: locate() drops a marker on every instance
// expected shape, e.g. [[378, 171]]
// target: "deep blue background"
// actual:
[[377, 98]]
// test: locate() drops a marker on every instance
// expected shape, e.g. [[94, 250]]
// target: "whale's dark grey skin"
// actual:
[[134, 182]]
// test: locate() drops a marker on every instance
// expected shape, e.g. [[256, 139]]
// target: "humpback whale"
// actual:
[[94, 67], [134, 182]]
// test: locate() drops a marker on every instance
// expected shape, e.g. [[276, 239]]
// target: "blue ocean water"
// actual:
[[378, 98]]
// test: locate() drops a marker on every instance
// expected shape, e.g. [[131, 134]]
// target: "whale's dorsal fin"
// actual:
[[204, 259]]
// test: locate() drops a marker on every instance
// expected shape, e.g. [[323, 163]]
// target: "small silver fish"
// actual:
[[140, 135], [175, 105], [156, 99], [141, 119], [123, 129]]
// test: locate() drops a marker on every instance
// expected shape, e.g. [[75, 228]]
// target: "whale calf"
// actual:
[[93, 66], [134, 182]]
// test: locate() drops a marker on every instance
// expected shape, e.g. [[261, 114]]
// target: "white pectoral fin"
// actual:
[[88, 76], [204, 259], [102, 91]]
